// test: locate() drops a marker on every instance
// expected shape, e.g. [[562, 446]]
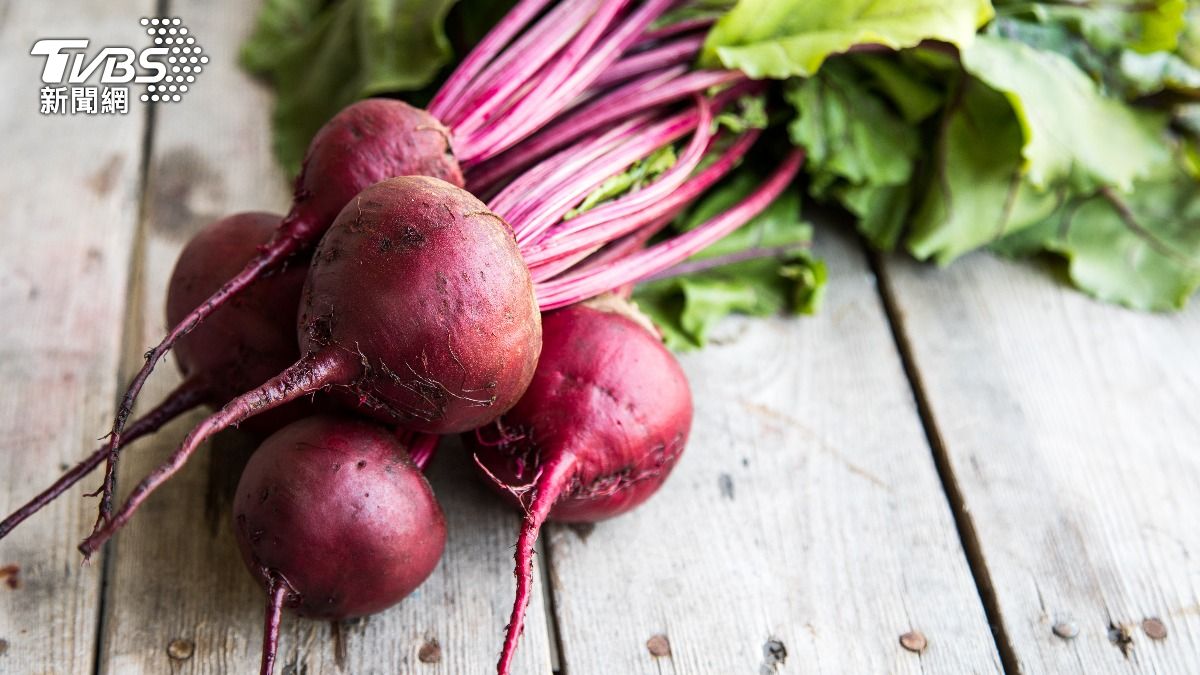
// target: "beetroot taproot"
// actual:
[[597, 432], [245, 341], [243, 344]]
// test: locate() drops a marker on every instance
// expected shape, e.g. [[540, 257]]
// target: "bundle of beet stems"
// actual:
[[421, 307]]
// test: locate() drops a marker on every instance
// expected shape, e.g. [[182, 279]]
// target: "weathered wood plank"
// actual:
[[1072, 432], [805, 523], [69, 186], [175, 574]]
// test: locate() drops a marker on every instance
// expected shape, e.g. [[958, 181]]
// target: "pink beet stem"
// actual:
[[422, 448], [443, 104], [595, 256], [275, 597], [485, 177], [677, 28], [634, 241], [543, 84], [633, 203], [514, 199], [609, 51], [284, 243], [306, 376], [745, 255], [553, 202], [574, 288], [625, 246], [493, 89], [555, 476], [536, 202], [572, 240], [186, 396], [636, 97], [674, 53], [573, 74]]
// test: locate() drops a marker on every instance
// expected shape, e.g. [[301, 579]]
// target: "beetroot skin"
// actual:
[[597, 432], [418, 310], [367, 142], [253, 337], [363, 144], [608, 398], [422, 289], [335, 509]]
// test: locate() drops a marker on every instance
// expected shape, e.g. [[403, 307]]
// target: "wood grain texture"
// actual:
[[1072, 431], [804, 529], [175, 576], [69, 187]]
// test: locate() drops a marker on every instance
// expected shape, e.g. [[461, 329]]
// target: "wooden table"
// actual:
[[976, 454]]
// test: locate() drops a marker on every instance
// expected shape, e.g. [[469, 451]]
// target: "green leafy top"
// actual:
[[1070, 129], [1059, 129], [788, 38], [1064, 127], [632, 179], [323, 56], [762, 268]]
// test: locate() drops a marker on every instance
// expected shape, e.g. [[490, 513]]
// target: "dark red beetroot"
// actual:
[[335, 521], [418, 309], [363, 144], [507, 88], [249, 339], [244, 343], [437, 312], [599, 429]]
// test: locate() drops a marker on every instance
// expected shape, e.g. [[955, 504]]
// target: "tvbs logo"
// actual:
[[167, 69]]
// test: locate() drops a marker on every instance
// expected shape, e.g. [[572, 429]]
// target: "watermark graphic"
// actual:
[[167, 69]]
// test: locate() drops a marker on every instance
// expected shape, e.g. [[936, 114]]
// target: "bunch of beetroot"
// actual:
[[421, 310]]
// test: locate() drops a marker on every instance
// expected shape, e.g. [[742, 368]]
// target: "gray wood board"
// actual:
[[1072, 432], [69, 187], [805, 528]]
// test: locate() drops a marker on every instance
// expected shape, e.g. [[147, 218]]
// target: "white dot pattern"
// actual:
[[182, 54]]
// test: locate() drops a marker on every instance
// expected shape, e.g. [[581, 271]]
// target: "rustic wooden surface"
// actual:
[[1046, 472], [1071, 430], [69, 190], [805, 518]]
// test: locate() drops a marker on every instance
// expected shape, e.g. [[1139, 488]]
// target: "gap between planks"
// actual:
[[967, 534], [131, 358]]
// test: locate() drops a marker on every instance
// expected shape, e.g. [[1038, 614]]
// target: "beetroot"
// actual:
[[599, 429], [243, 344], [335, 521], [363, 144], [246, 341], [505, 90], [417, 309], [443, 317]]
